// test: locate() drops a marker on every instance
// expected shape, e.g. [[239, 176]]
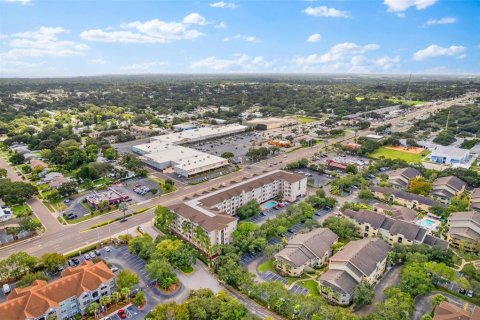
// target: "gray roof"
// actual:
[[409, 230], [363, 255], [451, 181], [406, 195], [435, 242], [466, 232], [306, 246], [407, 172], [338, 280], [403, 213], [449, 151]]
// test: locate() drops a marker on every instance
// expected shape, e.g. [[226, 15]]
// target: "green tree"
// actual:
[[343, 228], [3, 173], [29, 224], [363, 294], [351, 169], [227, 155], [249, 209], [164, 217], [161, 271], [52, 261], [419, 186], [110, 153], [93, 308], [139, 299], [29, 278], [17, 158], [168, 311], [127, 279], [414, 279]]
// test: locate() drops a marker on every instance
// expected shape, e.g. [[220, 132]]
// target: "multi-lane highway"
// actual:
[[64, 239]]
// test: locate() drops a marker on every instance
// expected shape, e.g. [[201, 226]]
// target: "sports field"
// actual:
[[304, 120], [396, 154]]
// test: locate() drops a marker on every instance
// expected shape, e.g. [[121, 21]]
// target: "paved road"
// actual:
[[64, 239], [50, 223], [388, 280]]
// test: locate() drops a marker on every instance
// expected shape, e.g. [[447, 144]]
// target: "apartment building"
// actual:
[[305, 250], [475, 199], [213, 212], [445, 188], [372, 224], [62, 298], [403, 198], [464, 230], [400, 178], [360, 260], [5, 213]]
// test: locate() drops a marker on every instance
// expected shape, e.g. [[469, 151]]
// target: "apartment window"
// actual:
[[367, 228], [400, 239], [95, 294]]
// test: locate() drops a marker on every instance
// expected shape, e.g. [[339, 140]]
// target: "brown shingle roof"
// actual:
[[306, 246], [216, 222], [35, 300], [339, 280], [449, 311], [452, 181]]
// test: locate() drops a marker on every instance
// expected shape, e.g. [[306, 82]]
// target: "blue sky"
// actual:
[[69, 38]]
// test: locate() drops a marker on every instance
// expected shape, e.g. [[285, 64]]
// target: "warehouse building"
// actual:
[[200, 134]]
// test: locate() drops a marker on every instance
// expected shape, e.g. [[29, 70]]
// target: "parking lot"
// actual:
[[266, 215], [271, 276], [299, 290], [131, 312], [125, 188], [315, 179]]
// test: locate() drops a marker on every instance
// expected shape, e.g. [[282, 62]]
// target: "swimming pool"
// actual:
[[270, 204], [426, 223]]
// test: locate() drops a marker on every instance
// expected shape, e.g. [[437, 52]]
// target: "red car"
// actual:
[[122, 314]]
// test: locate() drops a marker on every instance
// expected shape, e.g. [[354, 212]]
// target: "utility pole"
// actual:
[[448, 118]]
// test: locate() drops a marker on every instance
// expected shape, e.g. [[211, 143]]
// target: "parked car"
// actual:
[[114, 269], [92, 255], [97, 252], [122, 313], [87, 256], [6, 288], [462, 291], [469, 294], [107, 249]]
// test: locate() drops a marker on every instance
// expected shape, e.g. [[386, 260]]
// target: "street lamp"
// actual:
[[123, 207]]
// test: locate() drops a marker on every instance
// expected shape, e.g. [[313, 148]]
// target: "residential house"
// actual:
[[5, 213], [213, 211], [38, 164], [445, 188], [475, 199], [403, 198], [143, 132], [47, 177], [372, 224], [400, 178], [305, 250], [360, 260], [63, 298], [448, 311], [464, 230], [57, 182]]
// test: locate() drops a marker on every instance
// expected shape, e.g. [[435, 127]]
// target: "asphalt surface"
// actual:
[[423, 304]]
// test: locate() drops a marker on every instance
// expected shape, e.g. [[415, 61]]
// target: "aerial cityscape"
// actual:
[[240, 160]]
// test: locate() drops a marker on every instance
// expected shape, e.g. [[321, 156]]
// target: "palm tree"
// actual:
[[123, 207], [116, 296], [105, 301], [125, 292], [187, 228]]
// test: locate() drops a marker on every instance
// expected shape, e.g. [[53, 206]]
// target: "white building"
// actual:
[[214, 212], [166, 151], [450, 155]]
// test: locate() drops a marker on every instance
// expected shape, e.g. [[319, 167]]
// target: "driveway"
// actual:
[[389, 279], [423, 304]]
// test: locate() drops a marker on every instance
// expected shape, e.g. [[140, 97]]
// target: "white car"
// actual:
[[107, 249], [87, 256], [92, 255], [114, 269]]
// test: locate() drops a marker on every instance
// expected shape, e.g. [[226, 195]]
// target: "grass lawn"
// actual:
[[408, 102], [21, 210], [266, 266], [304, 120], [311, 285], [395, 154]]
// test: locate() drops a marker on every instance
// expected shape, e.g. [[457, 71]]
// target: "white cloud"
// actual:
[[399, 6], [337, 53], [242, 37], [314, 37], [42, 42], [195, 18], [22, 2], [224, 5], [143, 67], [347, 57], [152, 31], [445, 20], [462, 56], [240, 62], [220, 25], [97, 61], [433, 51], [324, 11]]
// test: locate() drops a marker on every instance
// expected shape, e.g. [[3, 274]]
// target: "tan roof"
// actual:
[[35, 163], [449, 311], [306, 246], [250, 185], [363, 254], [35, 300], [339, 280]]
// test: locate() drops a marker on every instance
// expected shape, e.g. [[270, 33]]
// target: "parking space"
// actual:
[[270, 276], [130, 311], [315, 179], [247, 258], [299, 290], [266, 215], [292, 231]]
